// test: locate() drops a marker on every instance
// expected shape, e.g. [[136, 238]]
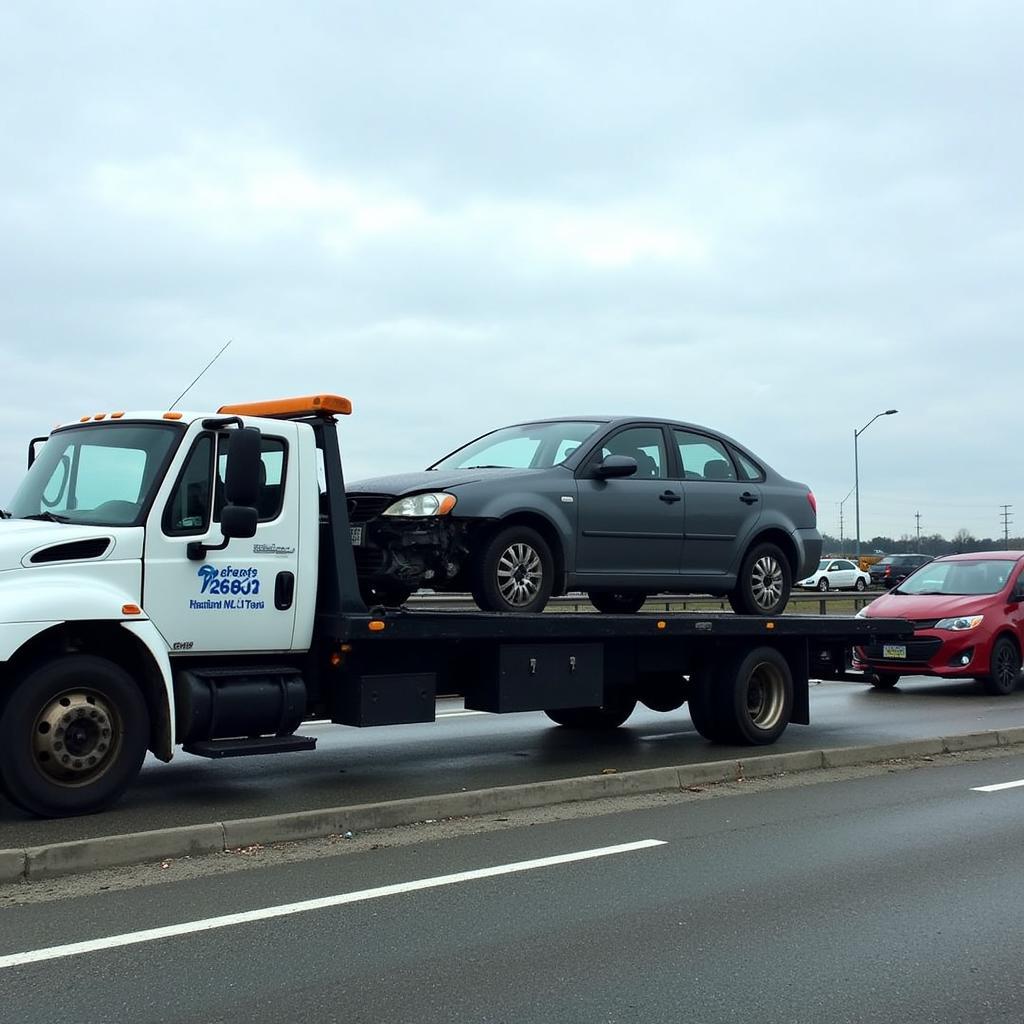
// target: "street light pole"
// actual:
[[856, 470]]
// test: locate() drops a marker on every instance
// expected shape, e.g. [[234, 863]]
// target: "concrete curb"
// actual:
[[192, 840]]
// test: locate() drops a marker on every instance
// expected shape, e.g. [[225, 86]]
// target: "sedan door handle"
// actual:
[[670, 496], [748, 499]]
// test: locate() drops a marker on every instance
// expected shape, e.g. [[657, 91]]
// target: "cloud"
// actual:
[[773, 219]]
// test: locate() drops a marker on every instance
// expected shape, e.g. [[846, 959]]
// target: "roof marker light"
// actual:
[[172, 415]]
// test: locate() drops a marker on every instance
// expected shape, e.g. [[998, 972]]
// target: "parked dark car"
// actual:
[[892, 570], [968, 617], [618, 507]]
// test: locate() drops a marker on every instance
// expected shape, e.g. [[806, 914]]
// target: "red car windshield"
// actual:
[[977, 576]]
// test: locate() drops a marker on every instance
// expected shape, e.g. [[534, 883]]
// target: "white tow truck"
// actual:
[[188, 579]]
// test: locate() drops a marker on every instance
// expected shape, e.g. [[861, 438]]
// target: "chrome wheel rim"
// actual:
[[766, 695], [76, 738], [520, 574], [766, 582]]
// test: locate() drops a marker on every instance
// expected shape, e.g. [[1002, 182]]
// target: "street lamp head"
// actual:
[[890, 412]]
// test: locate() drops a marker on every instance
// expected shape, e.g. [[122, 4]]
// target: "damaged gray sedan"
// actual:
[[619, 507]]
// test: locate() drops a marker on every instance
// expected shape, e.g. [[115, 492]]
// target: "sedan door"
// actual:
[[630, 526], [721, 509], [845, 574]]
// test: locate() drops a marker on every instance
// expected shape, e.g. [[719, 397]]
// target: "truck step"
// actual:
[[255, 745]]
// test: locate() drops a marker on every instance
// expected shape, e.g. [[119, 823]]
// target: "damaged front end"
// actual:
[[405, 552]]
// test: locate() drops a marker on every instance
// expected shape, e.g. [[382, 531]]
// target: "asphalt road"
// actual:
[[477, 751], [889, 898]]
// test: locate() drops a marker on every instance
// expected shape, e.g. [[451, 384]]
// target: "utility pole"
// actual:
[[917, 516], [1006, 517]]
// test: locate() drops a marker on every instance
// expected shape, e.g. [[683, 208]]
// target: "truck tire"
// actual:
[[72, 736], [743, 699], [1004, 668], [513, 572], [764, 582], [609, 716], [624, 602]]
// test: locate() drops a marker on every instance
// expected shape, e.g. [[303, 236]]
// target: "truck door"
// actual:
[[241, 598]]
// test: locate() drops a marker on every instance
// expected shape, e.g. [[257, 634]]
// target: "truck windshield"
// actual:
[[102, 474], [527, 446]]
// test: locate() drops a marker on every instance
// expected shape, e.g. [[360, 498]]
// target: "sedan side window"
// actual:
[[646, 445], [703, 458]]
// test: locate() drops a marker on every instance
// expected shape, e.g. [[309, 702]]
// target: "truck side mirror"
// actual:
[[615, 466], [238, 521], [242, 472]]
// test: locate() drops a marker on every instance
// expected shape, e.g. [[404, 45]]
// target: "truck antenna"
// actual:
[[196, 381]]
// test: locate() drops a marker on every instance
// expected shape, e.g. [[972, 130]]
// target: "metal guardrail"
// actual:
[[667, 602]]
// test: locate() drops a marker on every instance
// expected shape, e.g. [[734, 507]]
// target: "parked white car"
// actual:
[[836, 574]]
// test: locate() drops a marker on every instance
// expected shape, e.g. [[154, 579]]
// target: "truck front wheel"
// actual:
[[72, 736]]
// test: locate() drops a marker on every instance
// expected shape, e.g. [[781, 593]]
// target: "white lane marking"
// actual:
[[286, 909], [998, 786]]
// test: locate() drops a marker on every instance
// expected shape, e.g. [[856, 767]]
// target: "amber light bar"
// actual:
[[285, 408]]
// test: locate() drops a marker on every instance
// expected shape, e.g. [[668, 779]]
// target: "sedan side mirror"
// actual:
[[615, 466]]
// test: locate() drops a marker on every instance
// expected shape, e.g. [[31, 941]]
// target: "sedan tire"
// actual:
[[623, 602], [1004, 668], [860, 584], [513, 572], [764, 582], [884, 680], [823, 584]]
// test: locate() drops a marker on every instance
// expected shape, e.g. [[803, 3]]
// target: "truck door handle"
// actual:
[[284, 591], [670, 496], [748, 499]]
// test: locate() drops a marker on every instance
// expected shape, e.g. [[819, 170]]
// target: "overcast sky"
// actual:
[[776, 219]]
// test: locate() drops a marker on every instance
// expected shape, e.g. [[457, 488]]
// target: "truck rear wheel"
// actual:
[[609, 716], [745, 699], [72, 737]]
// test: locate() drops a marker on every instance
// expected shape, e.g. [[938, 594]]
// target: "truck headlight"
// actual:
[[960, 622], [436, 503]]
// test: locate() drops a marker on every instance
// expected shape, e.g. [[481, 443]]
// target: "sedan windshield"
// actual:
[[102, 475], [981, 576], [527, 446]]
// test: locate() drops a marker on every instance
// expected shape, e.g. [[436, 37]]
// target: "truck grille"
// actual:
[[364, 507], [917, 651]]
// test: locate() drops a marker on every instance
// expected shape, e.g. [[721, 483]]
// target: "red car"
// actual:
[[968, 616]]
